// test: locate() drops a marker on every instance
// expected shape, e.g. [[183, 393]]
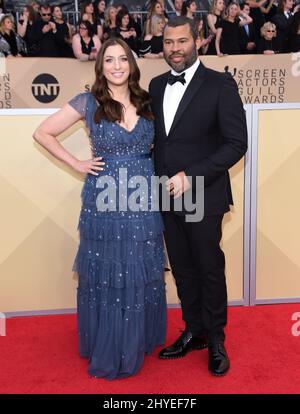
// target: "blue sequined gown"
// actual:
[[120, 261]]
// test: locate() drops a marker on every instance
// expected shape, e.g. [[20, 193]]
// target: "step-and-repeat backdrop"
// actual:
[[40, 198], [41, 83]]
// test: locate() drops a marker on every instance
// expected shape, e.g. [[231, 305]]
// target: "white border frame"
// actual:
[[247, 181], [27, 111], [253, 208], [250, 210]]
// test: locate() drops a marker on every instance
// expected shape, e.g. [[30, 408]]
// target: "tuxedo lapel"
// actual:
[[190, 92], [161, 118], [247, 34]]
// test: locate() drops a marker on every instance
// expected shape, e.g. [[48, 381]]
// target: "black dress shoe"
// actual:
[[185, 343], [218, 359]]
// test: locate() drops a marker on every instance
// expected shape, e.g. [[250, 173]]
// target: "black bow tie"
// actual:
[[176, 78]]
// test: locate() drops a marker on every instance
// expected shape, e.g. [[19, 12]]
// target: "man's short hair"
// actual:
[[182, 21], [242, 5], [45, 6]]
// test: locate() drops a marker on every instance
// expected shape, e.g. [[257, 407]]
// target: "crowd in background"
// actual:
[[254, 26]]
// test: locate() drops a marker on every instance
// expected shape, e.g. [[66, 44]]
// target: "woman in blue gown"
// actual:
[[120, 261]]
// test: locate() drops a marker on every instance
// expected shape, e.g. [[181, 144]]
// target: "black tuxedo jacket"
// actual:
[[245, 38], [207, 137], [283, 26]]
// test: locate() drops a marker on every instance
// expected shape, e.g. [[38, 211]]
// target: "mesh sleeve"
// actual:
[[80, 103]]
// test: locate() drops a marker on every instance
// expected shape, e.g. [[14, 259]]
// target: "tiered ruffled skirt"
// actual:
[[121, 291]]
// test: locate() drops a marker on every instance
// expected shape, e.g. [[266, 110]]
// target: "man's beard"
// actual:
[[186, 63]]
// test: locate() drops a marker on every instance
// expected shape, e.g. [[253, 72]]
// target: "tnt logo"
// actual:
[[45, 88], [2, 324]]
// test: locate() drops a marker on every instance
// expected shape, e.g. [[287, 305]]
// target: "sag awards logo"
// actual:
[[260, 85], [45, 88]]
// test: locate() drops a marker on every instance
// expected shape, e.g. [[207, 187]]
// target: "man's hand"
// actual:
[[178, 184], [125, 35], [296, 8], [132, 32], [53, 26], [250, 45], [46, 28]]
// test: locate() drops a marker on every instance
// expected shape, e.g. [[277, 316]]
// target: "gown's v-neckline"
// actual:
[[129, 131]]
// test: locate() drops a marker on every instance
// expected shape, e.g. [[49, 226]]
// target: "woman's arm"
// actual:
[[97, 43], [266, 10], [70, 35], [53, 126], [204, 43], [97, 46], [211, 21], [145, 50], [21, 28], [132, 32], [255, 4], [245, 19], [76, 46], [218, 40], [99, 31], [4, 47]]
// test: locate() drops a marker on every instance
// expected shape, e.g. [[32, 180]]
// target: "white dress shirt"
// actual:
[[288, 14], [174, 93]]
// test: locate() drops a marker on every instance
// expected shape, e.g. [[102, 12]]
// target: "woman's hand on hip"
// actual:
[[89, 166]]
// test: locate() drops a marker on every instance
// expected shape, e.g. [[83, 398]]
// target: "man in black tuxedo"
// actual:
[[248, 38], [283, 20], [200, 130], [44, 34]]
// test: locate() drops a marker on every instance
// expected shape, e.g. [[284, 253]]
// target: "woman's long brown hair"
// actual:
[[109, 108]]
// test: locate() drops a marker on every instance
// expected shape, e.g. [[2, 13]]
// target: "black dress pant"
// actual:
[[198, 265]]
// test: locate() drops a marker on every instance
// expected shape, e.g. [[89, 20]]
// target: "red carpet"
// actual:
[[39, 355]]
